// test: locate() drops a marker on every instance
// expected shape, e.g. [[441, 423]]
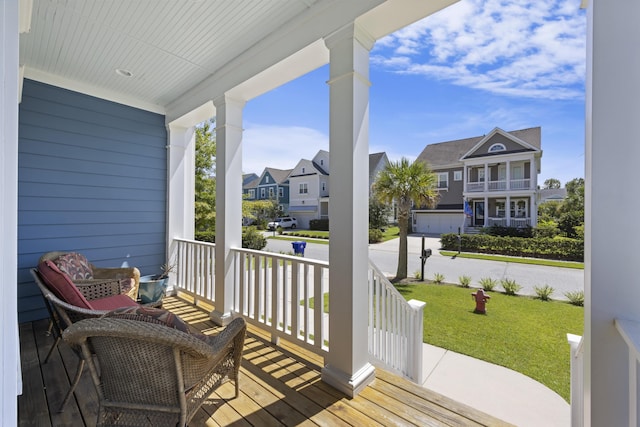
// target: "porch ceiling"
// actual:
[[176, 50]]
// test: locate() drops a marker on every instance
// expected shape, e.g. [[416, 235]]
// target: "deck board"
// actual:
[[280, 385]]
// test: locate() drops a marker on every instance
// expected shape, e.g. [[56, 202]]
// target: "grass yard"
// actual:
[[520, 333], [519, 260]]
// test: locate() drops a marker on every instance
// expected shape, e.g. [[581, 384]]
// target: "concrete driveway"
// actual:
[[385, 256]]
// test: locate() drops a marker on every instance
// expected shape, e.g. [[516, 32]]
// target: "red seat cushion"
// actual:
[[61, 285], [112, 302]]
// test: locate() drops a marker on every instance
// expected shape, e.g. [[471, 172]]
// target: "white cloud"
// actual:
[[279, 147], [525, 49]]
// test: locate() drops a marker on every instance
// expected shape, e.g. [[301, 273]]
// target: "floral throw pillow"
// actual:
[[75, 265]]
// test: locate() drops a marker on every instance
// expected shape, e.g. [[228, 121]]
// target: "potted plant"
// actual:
[[153, 287]]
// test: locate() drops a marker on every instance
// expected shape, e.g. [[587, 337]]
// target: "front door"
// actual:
[[478, 214]]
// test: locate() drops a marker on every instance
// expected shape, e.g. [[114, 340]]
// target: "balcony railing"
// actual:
[[285, 295], [501, 185], [512, 222]]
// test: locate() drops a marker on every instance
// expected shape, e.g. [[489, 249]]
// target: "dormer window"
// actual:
[[497, 147], [302, 170]]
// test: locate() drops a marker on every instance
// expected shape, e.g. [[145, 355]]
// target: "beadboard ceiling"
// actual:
[[180, 53]]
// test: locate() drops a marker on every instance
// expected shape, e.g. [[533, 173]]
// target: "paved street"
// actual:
[[385, 256]]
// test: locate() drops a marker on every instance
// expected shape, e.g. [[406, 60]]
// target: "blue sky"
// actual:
[[459, 73]]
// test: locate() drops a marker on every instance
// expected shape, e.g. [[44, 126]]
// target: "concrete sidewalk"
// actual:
[[495, 390]]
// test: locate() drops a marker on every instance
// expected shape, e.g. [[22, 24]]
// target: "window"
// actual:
[[443, 180], [252, 194], [518, 209], [457, 175], [324, 186], [321, 162], [302, 170], [262, 193], [271, 192], [497, 147], [303, 188], [481, 175], [500, 205], [280, 192], [266, 179]]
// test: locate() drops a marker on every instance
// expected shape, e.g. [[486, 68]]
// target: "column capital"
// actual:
[[224, 100], [350, 31]]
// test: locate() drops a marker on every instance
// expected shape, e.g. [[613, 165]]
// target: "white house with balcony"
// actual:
[[309, 189], [496, 174]]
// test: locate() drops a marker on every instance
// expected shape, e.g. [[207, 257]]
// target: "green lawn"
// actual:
[[520, 333]]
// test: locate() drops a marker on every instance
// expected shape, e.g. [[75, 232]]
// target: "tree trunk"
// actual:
[[403, 223]]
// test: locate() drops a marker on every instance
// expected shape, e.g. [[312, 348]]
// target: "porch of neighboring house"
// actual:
[[492, 211], [279, 385]]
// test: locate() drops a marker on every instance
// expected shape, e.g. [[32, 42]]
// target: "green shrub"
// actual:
[[510, 286], [488, 284], [375, 235], [417, 274], [575, 297], [547, 228], [465, 281], [498, 230], [543, 292], [319, 224], [279, 230], [438, 278], [253, 239], [206, 236], [561, 248]]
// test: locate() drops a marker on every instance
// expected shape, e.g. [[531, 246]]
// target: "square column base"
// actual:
[[221, 319], [349, 385]]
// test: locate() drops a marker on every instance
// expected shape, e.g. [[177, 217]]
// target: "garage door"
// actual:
[[303, 218], [437, 223]]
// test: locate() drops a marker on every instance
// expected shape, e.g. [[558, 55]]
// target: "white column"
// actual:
[[228, 201], [508, 175], [10, 377], [507, 210], [180, 188], [611, 207], [486, 184], [347, 364], [486, 206], [532, 174]]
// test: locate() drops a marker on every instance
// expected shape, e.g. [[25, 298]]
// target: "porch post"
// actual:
[[228, 201], [507, 209], [347, 365], [486, 206], [180, 188], [532, 174], [611, 245], [10, 377], [508, 175], [486, 183]]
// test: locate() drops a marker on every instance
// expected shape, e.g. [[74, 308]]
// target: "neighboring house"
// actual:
[[496, 174], [249, 187], [309, 184], [249, 177], [551, 194], [274, 185], [377, 162]]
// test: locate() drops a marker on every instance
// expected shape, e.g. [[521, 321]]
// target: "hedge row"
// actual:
[[319, 224], [560, 248]]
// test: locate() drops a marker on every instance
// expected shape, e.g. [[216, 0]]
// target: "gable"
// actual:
[[495, 141], [499, 142]]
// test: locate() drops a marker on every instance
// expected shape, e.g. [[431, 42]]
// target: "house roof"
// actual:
[[278, 175], [251, 184], [248, 177], [449, 153], [374, 161]]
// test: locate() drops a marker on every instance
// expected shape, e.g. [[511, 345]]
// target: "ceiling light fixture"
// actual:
[[124, 73]]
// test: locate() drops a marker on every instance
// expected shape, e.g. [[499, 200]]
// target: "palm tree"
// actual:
[[406, 182]]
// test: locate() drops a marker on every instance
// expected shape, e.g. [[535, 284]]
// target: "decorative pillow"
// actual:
[[75, 265], [151, 315], [61, 285]]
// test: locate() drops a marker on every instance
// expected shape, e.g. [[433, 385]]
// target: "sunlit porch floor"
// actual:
[[279, 385]]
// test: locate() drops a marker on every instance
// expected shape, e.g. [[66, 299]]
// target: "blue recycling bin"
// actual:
[[298, 248]]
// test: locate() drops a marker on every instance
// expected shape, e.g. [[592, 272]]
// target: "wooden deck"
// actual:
[[280, 385]]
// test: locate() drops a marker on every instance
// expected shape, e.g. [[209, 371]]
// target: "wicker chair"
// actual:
[[151, 374], [63, 314]]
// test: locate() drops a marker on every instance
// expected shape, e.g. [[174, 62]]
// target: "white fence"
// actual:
[[577, 382], [630, 331], [288, 296]]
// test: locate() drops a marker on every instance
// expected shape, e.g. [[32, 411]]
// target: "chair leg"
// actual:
[[76, 380], [53, 346]]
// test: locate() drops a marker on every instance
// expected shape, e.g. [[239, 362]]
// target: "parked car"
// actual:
[[284, 222]]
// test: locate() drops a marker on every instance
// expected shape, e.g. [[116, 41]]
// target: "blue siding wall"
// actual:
[[92, 179]]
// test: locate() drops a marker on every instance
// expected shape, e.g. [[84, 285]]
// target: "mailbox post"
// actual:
[[424, 254]]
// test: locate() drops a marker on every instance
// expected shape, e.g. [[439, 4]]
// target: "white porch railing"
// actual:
[[395, 328], [630, 332], [284, 295], [520, 184], [500, 222], [520, 222], [513, 222], [280, 293], [577, 380], [475, 186], [497, 185]]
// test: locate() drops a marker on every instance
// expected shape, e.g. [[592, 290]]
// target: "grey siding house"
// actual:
[[483, 181]]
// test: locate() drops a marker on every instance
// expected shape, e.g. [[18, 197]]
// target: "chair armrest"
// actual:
[[116, 273], [94, 289]]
